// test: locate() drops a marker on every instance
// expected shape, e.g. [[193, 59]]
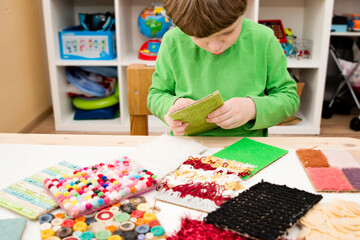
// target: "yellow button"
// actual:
[[115, 237], [149, 217], [80, 226], [53, 238], [47, 233]]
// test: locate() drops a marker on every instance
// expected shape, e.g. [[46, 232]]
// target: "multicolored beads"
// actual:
[[94, 187]]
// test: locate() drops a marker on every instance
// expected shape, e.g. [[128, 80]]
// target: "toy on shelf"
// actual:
[[288, 47], [93, 39], [277, 27], [292, 46], [353, 22], [153, 23]]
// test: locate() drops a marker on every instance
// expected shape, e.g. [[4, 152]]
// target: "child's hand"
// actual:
[[177, 127], [234, 113]]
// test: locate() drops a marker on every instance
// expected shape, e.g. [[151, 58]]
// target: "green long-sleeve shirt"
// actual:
[[254, 66]]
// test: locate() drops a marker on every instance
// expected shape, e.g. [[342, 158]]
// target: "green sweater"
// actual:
[[254, 66]]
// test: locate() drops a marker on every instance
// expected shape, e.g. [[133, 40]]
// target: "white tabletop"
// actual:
[[22, 160]]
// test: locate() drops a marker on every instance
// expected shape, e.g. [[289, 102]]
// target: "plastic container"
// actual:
[[78, 44], [302, 48]]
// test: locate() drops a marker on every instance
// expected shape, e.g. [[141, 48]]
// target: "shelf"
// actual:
[[346, 34], [308, 20], [301, 63], [292, 62], [132, 58], [106, 125], [87, 62], [302, 127]]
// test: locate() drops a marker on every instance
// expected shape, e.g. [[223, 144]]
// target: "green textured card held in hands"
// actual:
[[196, 113]]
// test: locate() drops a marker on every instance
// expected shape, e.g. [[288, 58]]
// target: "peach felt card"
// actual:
[[331, 170]]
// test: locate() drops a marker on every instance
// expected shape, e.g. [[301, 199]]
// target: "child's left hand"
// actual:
[[234, 113]]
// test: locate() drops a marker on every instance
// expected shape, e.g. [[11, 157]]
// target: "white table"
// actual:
[[22, 155]]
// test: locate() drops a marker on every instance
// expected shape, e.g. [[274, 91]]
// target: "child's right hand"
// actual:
[[177, 127]]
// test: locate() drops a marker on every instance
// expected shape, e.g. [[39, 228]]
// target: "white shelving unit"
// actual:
[[309, 19]]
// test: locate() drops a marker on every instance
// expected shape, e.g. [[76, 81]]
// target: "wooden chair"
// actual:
[[138, 82]]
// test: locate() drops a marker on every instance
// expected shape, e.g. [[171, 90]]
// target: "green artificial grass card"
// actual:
[[196, 113], [251, 152]]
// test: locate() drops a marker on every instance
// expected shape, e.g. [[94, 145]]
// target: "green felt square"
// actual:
[[196, 113], [251, 152], [12, 229]]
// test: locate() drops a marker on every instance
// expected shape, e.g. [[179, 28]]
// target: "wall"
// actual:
[[23, 70]]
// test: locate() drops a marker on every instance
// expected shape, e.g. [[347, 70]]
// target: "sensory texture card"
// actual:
[[28, 198], [131, 218], [91, 188], [203, 183], [12, 229], [251, 152], [200, 230], [331, 170], [338, 219], [264, 211], [196, 113]]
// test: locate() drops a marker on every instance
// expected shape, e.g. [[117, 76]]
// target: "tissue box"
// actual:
[[78, 44]]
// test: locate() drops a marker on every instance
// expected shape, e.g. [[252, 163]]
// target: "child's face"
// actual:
[[222, 40]]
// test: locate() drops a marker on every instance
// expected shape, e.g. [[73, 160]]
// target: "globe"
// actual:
[[153, 23]]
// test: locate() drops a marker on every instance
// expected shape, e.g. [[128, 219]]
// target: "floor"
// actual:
[[336, 126]]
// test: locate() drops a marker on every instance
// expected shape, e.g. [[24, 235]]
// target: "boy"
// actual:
[[214, 48]]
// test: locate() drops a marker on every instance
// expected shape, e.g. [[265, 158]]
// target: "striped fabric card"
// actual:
[[27, 197]]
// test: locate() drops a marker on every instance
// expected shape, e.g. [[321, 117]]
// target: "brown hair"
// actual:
[[202, 18]]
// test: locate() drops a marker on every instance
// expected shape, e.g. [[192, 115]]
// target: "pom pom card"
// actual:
[[264, 211], [203, 183], [196, 113], [331, 170], [92, 188], [28, 197], [251, 152]]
